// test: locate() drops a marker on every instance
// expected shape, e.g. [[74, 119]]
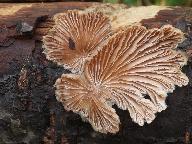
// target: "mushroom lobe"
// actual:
[[75, 38], [136, 62]]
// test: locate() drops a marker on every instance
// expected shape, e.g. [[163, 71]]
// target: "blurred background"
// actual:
[[187, 3]]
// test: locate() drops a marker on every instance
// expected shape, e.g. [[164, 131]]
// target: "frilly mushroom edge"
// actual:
[[117, 69], [76, 38]]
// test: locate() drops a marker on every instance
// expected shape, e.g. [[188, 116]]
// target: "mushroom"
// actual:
[[134, 63], [75, 38]]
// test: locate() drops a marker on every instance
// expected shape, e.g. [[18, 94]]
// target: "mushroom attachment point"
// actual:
[[134, 64], [75, 38]]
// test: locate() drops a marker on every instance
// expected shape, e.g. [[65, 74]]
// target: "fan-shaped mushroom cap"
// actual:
[[77, 94], [75, 38], [135, 63]]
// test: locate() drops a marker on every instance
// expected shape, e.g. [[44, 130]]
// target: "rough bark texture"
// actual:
[[29, 112]]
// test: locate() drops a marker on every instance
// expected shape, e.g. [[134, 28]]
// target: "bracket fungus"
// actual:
[[132, 64], [75, 38]]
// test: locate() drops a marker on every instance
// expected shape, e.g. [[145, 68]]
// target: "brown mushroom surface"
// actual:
[[136, 62], [75, 38]]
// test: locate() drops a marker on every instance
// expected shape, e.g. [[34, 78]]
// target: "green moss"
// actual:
[[152, 2], [176, 2], [111, 1], [130, 2]]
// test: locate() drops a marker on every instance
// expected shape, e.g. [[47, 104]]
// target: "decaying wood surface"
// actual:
[[29, 112]]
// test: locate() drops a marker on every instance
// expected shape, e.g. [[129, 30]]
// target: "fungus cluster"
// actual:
[[108, 68]]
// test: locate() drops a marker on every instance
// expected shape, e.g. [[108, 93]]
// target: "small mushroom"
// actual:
[[75, 38], [135, 63]]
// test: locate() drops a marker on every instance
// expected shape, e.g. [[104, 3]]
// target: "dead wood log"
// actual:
[[29, 112]]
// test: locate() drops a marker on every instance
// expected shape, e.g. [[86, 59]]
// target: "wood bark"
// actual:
[[29, 111]]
